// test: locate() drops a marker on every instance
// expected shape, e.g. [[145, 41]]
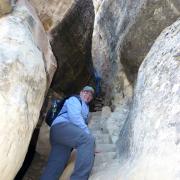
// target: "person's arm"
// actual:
[[74, 113]]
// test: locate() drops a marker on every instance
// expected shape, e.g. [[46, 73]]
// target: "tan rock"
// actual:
[[154, 117], [5, 7], [25, 66]]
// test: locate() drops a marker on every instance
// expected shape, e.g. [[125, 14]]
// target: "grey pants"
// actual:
[[64, 137]]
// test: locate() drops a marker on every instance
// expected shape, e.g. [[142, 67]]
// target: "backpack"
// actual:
[[56, 106]]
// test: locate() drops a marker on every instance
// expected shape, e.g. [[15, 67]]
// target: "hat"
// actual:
[[88, 88]]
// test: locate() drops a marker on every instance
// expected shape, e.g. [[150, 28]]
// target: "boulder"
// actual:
[[154, 119], [124, 32], [26, 68]]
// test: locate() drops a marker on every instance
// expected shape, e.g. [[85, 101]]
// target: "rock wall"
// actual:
[[154, 117], [123, 33], [26, 68], [149, 141]]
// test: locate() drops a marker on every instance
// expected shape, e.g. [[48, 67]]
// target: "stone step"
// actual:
[[95, 118], [98, 132], [105, 148], [94, 122], [97, 113], [104, 157], [95, 126], [104, 139]]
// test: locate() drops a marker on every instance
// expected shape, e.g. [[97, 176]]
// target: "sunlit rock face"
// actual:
[[51, 12], [26, 68], [123, 33], [71, 44], [149, 143], [154, 120]]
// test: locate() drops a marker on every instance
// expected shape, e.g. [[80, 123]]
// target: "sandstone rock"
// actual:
[[51, 12], [24, 64], [156, 110], [5, 7], [42, 41]]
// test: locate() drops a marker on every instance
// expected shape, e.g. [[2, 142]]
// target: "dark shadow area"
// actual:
[[71, 45]]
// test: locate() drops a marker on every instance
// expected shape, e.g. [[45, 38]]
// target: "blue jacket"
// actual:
[[75, 112]]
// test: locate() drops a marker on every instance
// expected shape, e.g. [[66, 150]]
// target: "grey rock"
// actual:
[[124, 32]]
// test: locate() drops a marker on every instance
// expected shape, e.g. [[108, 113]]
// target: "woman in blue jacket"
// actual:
[[69, 130]]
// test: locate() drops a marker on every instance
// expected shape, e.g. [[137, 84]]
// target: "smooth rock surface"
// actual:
[[24, 67], [155, 116], [5, 7]]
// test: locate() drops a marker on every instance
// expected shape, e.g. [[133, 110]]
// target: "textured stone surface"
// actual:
[[71, 45], [155, 116], [5, 7], [149, 142], [123, 34], [152, 18], [24, 69], [51, 12]]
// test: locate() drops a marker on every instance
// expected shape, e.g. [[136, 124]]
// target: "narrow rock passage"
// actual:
[[105, 152]]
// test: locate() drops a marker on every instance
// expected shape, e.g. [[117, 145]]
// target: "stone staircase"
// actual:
[[105, 149]]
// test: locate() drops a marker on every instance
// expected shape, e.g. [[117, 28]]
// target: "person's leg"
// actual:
[[85, 158], [74, 137], [57, 161]]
